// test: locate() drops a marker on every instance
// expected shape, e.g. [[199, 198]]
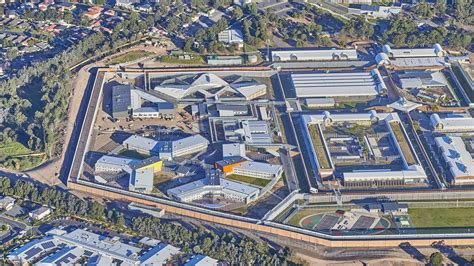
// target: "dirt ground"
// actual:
[[48, 171]]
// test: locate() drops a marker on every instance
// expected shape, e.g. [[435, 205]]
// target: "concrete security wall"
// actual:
[[398, 196], [286, 231]]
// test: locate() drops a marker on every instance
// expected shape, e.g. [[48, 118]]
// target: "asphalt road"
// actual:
[[16, 228], [289, 170]]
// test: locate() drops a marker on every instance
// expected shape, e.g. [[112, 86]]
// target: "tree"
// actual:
[[436, 259], [462, 9], [188, 46], [252, 9], [440, 7], [237, 13]]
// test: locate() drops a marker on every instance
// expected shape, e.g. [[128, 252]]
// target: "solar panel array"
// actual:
[[33, 252], [48, 245], [67, 259]]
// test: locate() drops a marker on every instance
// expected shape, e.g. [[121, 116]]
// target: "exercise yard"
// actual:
[[356, 221], [442, 217]]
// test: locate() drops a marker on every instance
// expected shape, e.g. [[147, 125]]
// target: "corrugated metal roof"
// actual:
[[260, 167]]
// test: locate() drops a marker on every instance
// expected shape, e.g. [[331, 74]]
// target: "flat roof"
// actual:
[[121, 98], [413, 52], [201, 260], [233, 149], [116, 160], [40, 210], [232, 107], [336, 84], [188, 142], [461, 123], [203, 184], [99, 244], [266, 168], [418, 61], [313, 54], [158, 255], [141, 142], [320, 101], [230, 160], [456, 156]]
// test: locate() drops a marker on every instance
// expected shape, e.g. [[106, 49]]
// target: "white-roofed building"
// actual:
[[158, 255], [64, 256], [320, 102], [40, 213], [166, 149], [435, 51], [189, 145], [411, 171], [140, 172], [208, 85], [231, 36], [412, 57], [142, 145], [422, 80], [233, 149], [255, 132], [6, 203], [258, 170], [71, 247], [129, 101], [214, 187], [313, 55], [453, 123], [229, 110], [201, 260], [458, 159], [113, 164], [338, 84]]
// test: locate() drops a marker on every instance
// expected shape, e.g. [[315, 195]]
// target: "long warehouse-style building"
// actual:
[[313, 54], [457, 158], [60, 247], [338, 84]]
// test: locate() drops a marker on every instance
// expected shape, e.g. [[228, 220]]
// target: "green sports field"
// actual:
[[442, 217]]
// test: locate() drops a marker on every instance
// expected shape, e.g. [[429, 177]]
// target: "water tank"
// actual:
[[438, 49], [386, 49], [382, 59]]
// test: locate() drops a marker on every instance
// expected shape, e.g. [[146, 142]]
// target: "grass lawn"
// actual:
[[402, 141], [161, 178], [442, 217], [296, 218], [14, 149], [132, 154], [249, 180], [128, 57], [316, 138], [195, 60]]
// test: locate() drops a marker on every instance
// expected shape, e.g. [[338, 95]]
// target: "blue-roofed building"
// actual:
[[201, 260], [32, 250], [67, 248], [65, 256]]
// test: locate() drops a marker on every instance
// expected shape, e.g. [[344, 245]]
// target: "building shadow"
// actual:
[[413, 252], [449, 252]]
